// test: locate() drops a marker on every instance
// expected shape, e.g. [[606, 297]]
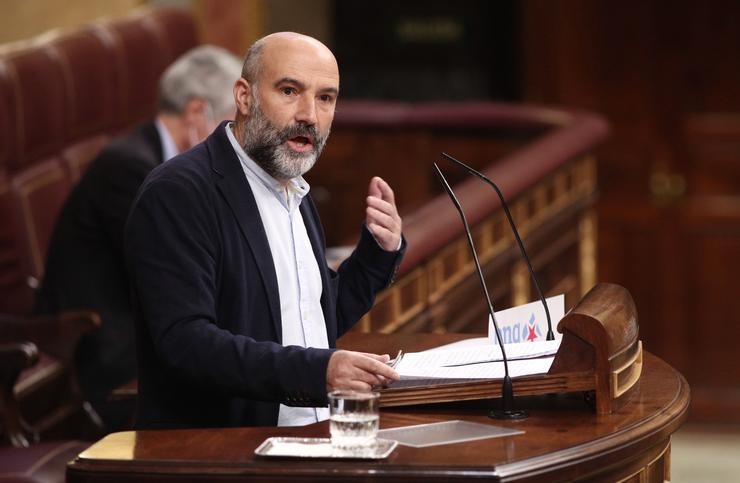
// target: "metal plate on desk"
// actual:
[[289, 447]]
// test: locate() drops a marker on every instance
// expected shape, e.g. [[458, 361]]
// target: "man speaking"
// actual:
[[237, 312]]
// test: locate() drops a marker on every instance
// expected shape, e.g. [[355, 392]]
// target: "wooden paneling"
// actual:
[[443, 294], [539, 159], [666, 77], [403, 157], [231, 24]]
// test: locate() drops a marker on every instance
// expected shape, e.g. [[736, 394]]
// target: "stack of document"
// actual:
[[479, 359], [522, 329]]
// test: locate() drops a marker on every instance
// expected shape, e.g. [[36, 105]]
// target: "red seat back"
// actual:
[[39, 192]]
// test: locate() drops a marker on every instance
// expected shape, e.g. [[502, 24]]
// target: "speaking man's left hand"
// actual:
[[382, 217]]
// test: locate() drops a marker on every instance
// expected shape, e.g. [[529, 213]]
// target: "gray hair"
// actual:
[[206, 72], [253, 62]]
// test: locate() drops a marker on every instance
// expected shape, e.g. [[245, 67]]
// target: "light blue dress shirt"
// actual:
[[298, 276]]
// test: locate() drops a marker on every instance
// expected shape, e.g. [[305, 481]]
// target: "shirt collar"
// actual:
[[169, 148], [297, 187]]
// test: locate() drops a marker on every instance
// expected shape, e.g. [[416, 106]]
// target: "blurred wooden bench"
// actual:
[[63, 95]]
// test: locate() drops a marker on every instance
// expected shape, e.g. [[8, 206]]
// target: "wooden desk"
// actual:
[[564, 441]]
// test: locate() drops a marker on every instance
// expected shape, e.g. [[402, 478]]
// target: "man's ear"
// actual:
[[194, 110], [242, 96]]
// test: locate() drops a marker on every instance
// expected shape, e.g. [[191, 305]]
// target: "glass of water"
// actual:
[[353, 420]]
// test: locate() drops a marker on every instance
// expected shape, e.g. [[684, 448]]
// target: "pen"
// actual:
[[394, 362]]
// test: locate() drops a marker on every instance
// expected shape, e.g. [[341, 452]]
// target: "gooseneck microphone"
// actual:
[[550, 335], [507, 389]]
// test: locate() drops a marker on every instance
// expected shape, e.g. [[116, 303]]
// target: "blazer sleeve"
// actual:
[[367, 271], [173, 249]]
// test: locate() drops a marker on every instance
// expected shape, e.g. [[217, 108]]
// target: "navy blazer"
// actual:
[[206, 297]]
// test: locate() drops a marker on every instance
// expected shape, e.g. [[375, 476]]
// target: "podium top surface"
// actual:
[[563, 439]]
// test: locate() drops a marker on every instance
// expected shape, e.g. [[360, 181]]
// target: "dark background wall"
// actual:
[[420, 50], [667, 76]]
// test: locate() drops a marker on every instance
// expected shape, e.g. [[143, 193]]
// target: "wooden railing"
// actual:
[[543, 161]]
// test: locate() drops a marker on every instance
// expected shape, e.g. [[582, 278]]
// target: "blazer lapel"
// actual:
[[235, 189]]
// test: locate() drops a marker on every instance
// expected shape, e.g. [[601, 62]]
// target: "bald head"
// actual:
[[280, 43]]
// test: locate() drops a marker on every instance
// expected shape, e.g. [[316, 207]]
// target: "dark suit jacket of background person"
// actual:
[[206, 297], [85, 267]]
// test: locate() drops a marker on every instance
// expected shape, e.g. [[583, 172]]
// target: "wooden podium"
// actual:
[[640, 402], [600, 353]]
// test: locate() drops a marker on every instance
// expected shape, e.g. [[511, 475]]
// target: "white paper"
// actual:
[[479, 361], [528, 322], [481, 358], [490, 370], [473, 342]]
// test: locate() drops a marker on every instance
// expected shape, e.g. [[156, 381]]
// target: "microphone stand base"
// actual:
[[510, 414]]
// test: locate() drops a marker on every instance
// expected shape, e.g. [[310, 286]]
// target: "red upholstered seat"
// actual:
[[175, 28], [139, 60], [37, 122], [62, 97], [78, 156], [27, 460], [65, 94], [8, 111], [40, 191], [17, 296], [87, 67], [42, 463]]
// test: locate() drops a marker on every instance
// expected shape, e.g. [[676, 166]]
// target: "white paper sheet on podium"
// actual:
[[479, 361], [480, 358]]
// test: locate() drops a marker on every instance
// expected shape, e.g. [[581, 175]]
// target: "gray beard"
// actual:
[[266, 145]]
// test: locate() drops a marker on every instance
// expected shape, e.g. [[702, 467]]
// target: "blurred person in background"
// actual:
[[85, 267]]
